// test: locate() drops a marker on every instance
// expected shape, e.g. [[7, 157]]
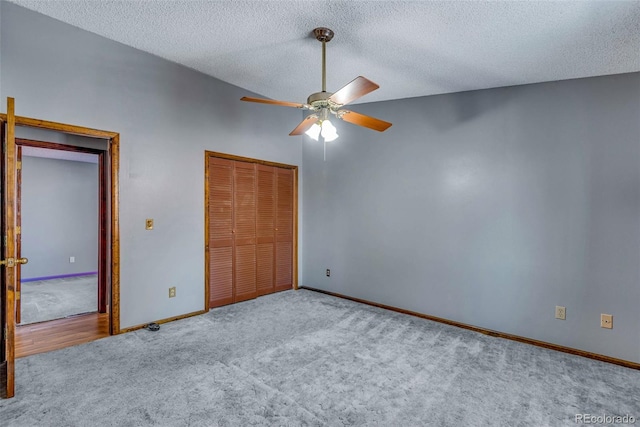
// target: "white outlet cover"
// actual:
[[72, 259], [606, 321]]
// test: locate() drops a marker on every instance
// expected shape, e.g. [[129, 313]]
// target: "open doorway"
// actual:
[[34, 338], [61, 213]]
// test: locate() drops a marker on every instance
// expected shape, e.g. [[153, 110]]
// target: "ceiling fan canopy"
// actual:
[[323, 103]]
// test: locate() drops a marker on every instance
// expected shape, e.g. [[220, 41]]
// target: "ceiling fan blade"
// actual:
[[304, 125], [273, 102], [362, 120], [353, 90]]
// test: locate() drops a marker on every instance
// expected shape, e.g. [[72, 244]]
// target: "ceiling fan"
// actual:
[[325, 103]]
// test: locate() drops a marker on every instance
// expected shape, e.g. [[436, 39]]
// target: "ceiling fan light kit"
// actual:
[[324, 103]]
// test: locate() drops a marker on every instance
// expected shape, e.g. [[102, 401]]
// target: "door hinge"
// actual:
[[19, 165], [17, 293], [18, 229], [6, 333]]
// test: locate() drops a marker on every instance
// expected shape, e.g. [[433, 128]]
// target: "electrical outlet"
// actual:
[[149, 224], [561, 312], [72, 259], [328, 272], [172, 292], [606, 321]]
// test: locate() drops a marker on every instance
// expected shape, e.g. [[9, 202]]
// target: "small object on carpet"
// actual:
[[152, 327]]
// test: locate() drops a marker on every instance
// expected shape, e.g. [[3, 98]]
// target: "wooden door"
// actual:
[[244, 231], [18, 234], [9, 266], [265, 229], [220, 206], [284, 229]]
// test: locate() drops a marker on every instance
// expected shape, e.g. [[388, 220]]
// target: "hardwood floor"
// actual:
[[55, 334]]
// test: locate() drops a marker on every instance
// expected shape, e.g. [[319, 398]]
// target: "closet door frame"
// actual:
[[293, 168]]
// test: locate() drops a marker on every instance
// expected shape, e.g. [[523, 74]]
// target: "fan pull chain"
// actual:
[[325, 149]]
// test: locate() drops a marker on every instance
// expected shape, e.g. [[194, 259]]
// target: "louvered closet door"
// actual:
[[266, 224], [220, 232], [244, 205], [284, 229]]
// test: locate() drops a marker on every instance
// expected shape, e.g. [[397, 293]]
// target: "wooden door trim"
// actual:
[[113, 139], [295, 229], [24, 142], [247, 160], [62, 127], [294, 168], [102, 164]]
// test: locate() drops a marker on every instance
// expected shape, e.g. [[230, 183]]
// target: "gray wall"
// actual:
[[59, 216], [489, 208], [167, 116]]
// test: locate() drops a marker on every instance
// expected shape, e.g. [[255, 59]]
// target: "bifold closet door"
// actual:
[[244, 216], [250, 211], [266, 225], [220, 232], [284, 229]]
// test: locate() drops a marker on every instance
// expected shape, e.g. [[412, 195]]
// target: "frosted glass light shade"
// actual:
[[314, 131], [329, 131], [326, 128]]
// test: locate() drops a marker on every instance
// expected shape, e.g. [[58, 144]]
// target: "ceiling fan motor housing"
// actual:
[[320, 100]]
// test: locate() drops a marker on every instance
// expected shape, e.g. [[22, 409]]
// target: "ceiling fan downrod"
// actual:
[[323, 35], [324, 66]]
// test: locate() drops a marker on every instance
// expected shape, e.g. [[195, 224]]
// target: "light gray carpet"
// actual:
[[301, 358], [58, 298]]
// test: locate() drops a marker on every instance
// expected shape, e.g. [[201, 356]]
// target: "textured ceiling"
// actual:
[[410, 48]]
